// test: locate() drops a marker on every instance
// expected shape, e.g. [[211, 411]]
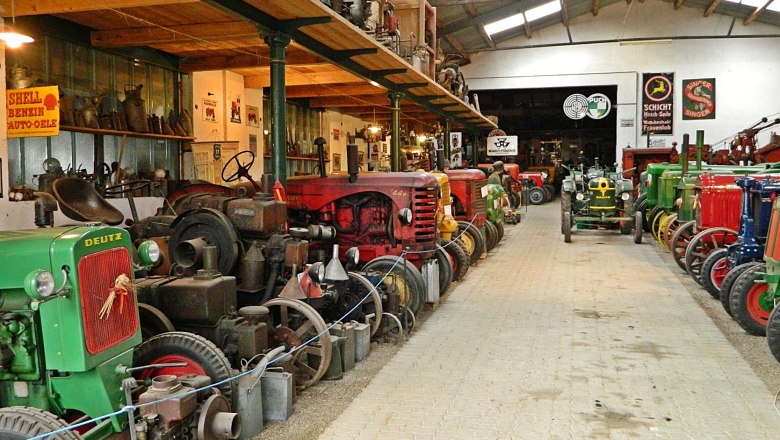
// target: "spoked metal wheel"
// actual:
[[658, 221], [702, 244], [371, 309], [296, 323], [667, 231], [679, 243], [651, 218]]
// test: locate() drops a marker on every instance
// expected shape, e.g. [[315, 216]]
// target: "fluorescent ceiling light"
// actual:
[[751, 3], [643, 42], [504, 24], [543, 10]]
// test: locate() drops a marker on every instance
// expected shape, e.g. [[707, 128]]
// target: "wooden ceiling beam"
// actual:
[[195, 33], [711, 8], [758, 11], [41, 7], [262, 59], [350, 101], [317, 91], [594, 8], [299, 76]]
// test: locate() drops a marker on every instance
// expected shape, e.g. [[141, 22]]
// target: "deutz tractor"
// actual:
[[598, 199], [71, 339]]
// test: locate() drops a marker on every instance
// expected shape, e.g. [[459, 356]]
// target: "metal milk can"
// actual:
[[135, 109]]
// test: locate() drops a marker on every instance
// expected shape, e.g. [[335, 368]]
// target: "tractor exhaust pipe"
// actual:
[[189, 253], [353, 162], [684, 153], [320, 143], [440, 160]]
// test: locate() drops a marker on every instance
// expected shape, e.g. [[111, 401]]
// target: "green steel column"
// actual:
[[447, 140], [395, 130], [278, 42], [699, 147]]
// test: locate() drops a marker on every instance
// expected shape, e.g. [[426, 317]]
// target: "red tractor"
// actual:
[[540, 192], [469, 209]]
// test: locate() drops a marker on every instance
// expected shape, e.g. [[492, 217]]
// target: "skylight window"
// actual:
[[504, 24], [753, 3], [543, 10], [774, 6]]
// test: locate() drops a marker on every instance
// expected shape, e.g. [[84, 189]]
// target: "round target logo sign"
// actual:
[[598, 106]]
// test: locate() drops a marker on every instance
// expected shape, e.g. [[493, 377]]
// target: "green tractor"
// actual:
[[496, 201], [70, 343], [598, 198]]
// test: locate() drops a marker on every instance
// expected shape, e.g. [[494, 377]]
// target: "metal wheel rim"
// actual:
[[374, 297], [758, 300], [668, 233], [694, 256], [468, 241], [682, 236]]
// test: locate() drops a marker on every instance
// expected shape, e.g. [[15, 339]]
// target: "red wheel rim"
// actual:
[[755, 298], [719, 272], [192, 367]]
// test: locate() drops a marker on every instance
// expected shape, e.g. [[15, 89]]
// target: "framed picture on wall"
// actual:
[[336, 162], [361, 158], [210, 110], [252, 118]]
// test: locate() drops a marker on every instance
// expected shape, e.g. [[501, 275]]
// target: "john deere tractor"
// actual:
[[598, 199]]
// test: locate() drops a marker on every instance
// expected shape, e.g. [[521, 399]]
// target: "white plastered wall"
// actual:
[[745, 69]]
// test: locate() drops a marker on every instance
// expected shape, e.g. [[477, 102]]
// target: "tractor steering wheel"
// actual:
[[242, 169], [126, 187]]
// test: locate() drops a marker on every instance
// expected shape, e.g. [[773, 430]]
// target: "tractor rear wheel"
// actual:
[[628, 211], [199, 354], [460, 259], [702, 244], [550, 191], [446, 267], [565, 205], [22, 422], [666, 229], [470, 232], [491, 235], [500, 228], [410, 283], [567, 227], [638, 227], [655, 212], [370, 312], [537, 195], [728, 284], [713, 270], [655, 226], [773, 333], [751, 302], [679, 244]]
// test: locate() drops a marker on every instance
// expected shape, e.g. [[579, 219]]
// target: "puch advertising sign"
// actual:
[[501, 145], [698, 99], [657, 103], [33, 112], [595, 106]]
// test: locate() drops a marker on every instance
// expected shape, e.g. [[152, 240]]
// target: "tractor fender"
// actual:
[[623, 185]]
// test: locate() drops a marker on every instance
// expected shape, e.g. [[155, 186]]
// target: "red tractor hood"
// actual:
[[465, 174]]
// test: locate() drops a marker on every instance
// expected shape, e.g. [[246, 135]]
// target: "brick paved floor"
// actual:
[[545, 340]]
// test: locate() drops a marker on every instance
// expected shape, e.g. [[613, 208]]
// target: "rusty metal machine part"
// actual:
[[80, 201]]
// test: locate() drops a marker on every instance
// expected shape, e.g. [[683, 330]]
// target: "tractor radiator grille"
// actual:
[[424, 206], [480, 203], [98, 273], [721, 208]]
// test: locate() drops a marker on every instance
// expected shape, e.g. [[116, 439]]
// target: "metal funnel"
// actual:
[[334, 271]]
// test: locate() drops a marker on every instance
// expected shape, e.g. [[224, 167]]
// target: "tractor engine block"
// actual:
[[363, 219]]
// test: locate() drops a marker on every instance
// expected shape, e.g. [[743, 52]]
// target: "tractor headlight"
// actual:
[[353, 256], [625, 196], [405, 215], [39, 284], [580, 196], [149, 252], [317, 272]]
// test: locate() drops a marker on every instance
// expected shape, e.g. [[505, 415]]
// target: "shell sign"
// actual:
[[33, 112]]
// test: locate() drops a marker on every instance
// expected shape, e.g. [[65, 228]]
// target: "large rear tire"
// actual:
[[460, 259], [713, 271], [447, 266], [21, 423], [638, 228], [751, 302], [728, 284], [500, 228], [491, 235], [476, 236], [411, 287], [773, 333], [537, 195], [199, 354]]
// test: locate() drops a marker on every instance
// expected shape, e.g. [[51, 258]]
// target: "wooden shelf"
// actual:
[[125, 133], [314, 159]]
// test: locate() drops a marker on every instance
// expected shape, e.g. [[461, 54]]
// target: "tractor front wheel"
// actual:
[[491, 235], [728, 283], [537, 195], [773, 333], [500, 228], [638, 228], [567, 227], [408, 279], [679, 244], [21, 422], [702, 244], [550, 191], [751, 302], [447, 264], [199, 355], [713, 271], [470, 233]]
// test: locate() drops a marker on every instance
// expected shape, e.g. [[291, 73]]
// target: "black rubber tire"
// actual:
[[23, 422], [714, 258], [739, 301], [650, 219], [550, 191], [626, 226], [567, 227], [500, 228], [537, 195], [728, 284], [445, 268], [638, 228], [773, 333], [199, 350], [460, 257], [409, 272], [514, 199], [641, 206], [491, 235], [477, 237]]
